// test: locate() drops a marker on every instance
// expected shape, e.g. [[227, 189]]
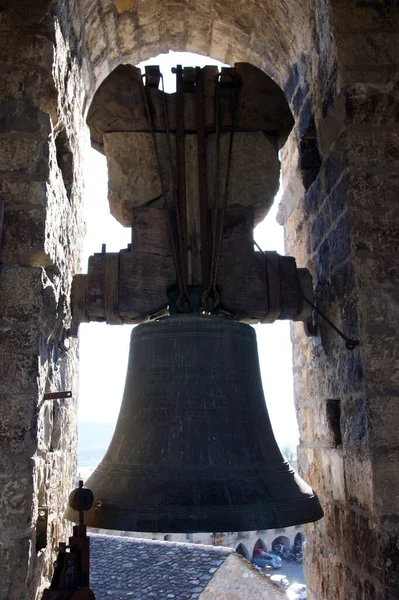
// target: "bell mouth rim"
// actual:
[[169, 519]]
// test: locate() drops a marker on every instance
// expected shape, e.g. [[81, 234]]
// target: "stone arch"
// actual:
[[259, 545], [106, 34], [281, 540], [299, 540], [243, 550]]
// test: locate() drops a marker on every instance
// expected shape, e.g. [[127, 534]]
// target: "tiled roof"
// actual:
[[137, 569]]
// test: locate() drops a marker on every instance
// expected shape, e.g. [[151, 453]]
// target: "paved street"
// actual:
[[292, 571]]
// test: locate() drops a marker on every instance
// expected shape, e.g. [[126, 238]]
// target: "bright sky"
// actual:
[[104, 348]]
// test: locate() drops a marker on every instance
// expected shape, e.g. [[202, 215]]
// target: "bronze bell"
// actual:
[[193, 449]]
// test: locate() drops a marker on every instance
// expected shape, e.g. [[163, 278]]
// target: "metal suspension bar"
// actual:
[[181, 174], [183, 294], [205, 295], [226, 184], [165, 201], [202, 179]]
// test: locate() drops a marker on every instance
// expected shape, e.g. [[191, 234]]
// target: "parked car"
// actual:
[[263, 559], [296, 591], [280, 580]]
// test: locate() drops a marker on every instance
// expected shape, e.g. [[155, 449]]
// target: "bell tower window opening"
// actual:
[[111, 365]]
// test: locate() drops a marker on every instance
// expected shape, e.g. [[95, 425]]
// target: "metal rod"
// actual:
[[183, 293], [181, 169], [206, 293], [227, 181], [161, 180], [202, 179], [349, 342], [57, 395]]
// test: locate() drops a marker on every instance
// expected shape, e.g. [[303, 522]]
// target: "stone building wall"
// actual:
[[343, 227], [244, 542], [337, 62], [41, 195]]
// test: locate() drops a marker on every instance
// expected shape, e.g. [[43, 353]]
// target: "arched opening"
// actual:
[[135, 33], [243, 550], [106, 373], [228, 46], [280, 543], [298, 541], [259, 545]]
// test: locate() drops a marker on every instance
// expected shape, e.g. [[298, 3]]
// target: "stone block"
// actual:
[[292, 195], [111, 29], [126, 33], [320, 227], [369, 105], [200, 33], [32, 49], [175, 29], [21, 293], [308, 419], [378, 336], [353, 375], [339, 198], [370, 74], [342, 281], [24, 237], [148, 11], [299, 99], [20, 116], [338, 486], [149, 34], [359, 471], [23, 194], [323, 260], [359, 17], [254, 171], [18, 424], [19, 371], [382, 417], [373, 149], [20, 337], [124, 5], [385, 481], [308, 460], [23, 156], [95, 38], [313, 198], [354, 421], [339, 240], [365, 49], [134, 179], [330, 127]]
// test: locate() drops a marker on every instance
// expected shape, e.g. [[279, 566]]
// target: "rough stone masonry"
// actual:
[[337, 63]]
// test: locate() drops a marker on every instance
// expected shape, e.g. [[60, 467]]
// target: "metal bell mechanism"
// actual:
[[193, 449]]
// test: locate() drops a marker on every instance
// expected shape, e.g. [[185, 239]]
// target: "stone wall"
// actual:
[[343, 227], [40, 252], [337, 63]]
